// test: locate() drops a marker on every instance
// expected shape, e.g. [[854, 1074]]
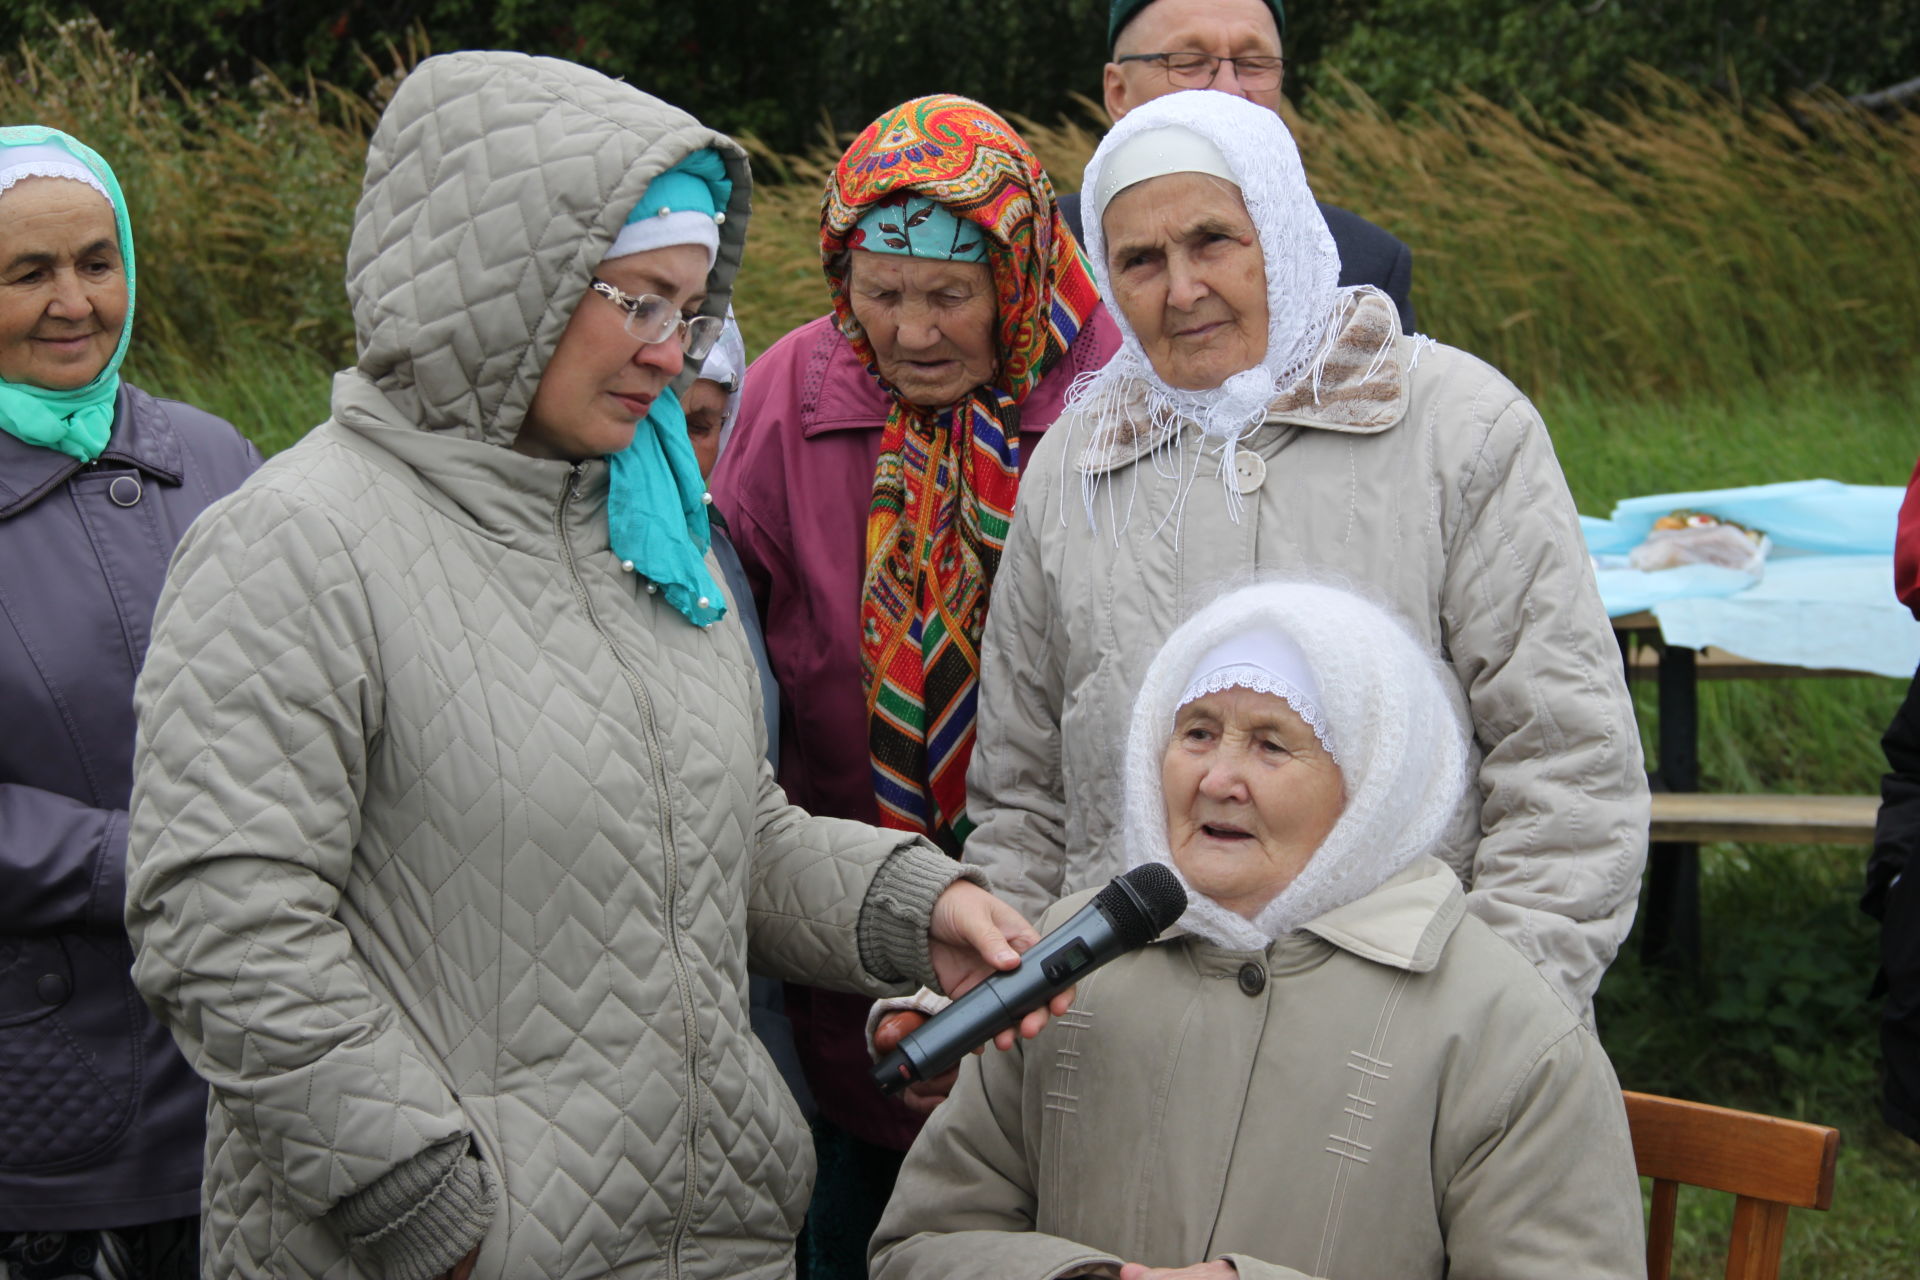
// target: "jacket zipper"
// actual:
[[651, 730]]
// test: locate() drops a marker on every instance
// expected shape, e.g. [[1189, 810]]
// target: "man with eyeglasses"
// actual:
[[1159, 47]]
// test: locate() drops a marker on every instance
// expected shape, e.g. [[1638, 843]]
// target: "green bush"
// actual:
[[778, 69], [1567, 55]]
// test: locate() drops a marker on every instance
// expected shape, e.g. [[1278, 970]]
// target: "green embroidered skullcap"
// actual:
[[1125, 11], [913, 226]]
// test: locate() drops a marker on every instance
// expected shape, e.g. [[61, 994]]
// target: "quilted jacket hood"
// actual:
[[495, 183]]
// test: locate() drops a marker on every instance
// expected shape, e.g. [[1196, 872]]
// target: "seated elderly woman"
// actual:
[[1327, 1067], [1258, 418]]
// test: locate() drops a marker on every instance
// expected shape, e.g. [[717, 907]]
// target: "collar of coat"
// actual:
[[504, 496], [142, 438], [1362, 390], [1403, 924]]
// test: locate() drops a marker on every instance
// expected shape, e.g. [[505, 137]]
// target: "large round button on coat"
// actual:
[[1253, 979], [1249, 470], [52, 988], [125, 490]]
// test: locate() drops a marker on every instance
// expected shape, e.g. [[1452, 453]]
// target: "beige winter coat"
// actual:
[[1428, 483], [445, 833], [1391, 1092]]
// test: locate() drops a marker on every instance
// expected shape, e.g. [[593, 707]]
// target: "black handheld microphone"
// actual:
[[1130, 912]]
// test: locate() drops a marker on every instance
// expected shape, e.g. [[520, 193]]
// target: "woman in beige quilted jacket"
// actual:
[[1329, 1067], [452, 835], [1258, 419]]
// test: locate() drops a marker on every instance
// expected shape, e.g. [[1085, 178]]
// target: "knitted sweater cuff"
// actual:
[[898, 910], [422, 1216]]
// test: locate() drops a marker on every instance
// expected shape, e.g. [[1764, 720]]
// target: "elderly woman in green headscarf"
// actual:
[[98, 481]]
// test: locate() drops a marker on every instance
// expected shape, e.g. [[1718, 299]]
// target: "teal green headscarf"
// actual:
[[656, 500], [657, 513], [915, 226], [77, 422]]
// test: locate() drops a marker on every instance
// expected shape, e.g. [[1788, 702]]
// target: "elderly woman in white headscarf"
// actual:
[[1328, 1067], [1258, 418]]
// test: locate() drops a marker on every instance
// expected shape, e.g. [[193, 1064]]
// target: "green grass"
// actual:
[[1612, 447], [274, 394], [1777, 1019]]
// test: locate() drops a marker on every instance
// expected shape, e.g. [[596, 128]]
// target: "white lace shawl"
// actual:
[[1403, 748], [1303, 270]]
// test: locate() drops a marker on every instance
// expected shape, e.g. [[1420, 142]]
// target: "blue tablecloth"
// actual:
[[1825, 601]]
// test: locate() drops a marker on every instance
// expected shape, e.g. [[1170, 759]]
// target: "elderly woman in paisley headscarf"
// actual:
[[1259, 418], [868, 490]]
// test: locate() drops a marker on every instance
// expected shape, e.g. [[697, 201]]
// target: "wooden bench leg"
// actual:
[[1670, 931]]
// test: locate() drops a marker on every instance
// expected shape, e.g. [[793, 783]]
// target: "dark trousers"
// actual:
[[1893, 895], [157, 1251], [850, 1192]]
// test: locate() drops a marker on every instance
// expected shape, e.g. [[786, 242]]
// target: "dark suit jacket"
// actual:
[[1368, 255]]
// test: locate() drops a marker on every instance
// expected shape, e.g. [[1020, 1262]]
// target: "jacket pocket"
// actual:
[[36, 979], [59, 1106]]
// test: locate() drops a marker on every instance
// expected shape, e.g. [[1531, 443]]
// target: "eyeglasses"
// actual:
[[1197, 70], [651, 318]]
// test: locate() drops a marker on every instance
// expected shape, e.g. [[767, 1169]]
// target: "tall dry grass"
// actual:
[[1689, 245], [241, 196], [1692, 244]]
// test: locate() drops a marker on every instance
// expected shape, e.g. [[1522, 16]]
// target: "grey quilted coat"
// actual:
[[448, 844], [1424, 478]]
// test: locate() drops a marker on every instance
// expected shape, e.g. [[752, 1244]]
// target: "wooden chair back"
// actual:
[[1768, 1164]]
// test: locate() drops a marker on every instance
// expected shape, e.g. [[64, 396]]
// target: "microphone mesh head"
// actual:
[[1142, 903]]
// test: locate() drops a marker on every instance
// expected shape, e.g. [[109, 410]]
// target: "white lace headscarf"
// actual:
[[1303, 266], [1402, 752]]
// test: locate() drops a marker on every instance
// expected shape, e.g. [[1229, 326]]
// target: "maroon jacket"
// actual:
[[794, 485], [101, 1120]]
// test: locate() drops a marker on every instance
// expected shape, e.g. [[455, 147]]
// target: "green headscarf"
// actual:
[[656, 500], [78, 422]]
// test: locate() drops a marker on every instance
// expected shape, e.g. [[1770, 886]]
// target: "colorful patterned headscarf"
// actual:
[[944, 488]]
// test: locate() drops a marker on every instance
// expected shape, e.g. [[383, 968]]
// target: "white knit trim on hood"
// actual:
[[1403, 751]]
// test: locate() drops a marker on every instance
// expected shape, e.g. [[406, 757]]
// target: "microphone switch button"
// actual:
[[1253, 979], [1071, 960]]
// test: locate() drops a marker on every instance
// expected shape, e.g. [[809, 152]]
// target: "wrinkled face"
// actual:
[[1250, 795], [63, 287], [601, 382], [1188, 274], [706, 408], [1224, 28], [930, 323]]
